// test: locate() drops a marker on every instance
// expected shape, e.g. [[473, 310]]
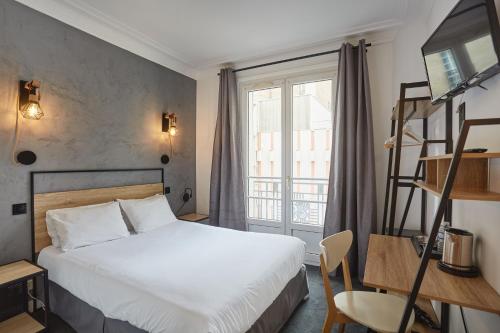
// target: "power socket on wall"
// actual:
[[187, 195], [19, 209]]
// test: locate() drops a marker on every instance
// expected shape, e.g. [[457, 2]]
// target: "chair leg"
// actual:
[[341, 328], [327, 325]]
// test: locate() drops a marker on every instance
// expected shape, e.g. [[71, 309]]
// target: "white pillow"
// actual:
[[149, 213], [51, 228], [88, 225]]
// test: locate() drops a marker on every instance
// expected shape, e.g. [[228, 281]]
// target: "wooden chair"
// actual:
[[378, 312]]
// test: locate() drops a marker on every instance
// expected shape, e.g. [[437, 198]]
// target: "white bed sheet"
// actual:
[[183, 277]]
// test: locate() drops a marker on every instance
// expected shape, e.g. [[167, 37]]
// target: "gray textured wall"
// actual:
[[102, 109]]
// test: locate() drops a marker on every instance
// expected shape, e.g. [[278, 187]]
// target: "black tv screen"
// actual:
[[463, 50]]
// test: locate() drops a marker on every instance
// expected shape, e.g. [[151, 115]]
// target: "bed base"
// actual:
[[84, 318]]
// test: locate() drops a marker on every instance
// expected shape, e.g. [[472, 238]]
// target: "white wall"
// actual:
[[380, 60], [206, 116], [481, 218]]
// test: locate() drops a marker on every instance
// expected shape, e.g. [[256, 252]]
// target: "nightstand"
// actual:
[[21, 272], [193, 217]]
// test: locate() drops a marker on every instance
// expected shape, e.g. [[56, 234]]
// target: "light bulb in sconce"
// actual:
[[32, 110], [29, 100], [169, 123], [172, 131]]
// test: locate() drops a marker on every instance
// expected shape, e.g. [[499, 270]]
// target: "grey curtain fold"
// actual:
[[227, 203], [351, 202]]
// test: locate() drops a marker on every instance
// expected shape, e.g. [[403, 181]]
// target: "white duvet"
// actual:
[[183, 277]]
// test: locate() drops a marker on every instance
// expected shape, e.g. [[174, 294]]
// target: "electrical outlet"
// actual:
[[187, 195], [19, 209], [167, 190]]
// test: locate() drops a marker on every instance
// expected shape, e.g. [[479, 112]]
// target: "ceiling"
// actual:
[[196, 34]]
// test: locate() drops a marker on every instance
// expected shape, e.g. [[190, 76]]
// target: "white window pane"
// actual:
[[264, 154], [311, 132]]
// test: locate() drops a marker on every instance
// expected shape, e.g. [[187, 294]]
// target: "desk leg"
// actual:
[[445, 318]]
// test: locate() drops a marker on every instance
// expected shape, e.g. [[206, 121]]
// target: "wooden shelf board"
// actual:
[[17, 270], [464, 155], [424, 109], [404, 145], [193, 217], [22, 323], [460, 195], [428, 187]]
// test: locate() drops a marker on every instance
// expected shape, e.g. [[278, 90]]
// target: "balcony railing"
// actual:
[[308, 202], [264, 198]]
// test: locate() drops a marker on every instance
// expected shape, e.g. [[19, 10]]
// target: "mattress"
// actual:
[[183, 277]]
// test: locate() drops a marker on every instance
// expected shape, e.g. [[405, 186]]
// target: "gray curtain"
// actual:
[[227, 203], [351, 202]]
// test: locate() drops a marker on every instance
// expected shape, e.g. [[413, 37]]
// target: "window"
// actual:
[[288, 136], [298, 133]]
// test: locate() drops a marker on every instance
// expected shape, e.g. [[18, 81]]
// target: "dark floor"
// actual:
[[307, 318]]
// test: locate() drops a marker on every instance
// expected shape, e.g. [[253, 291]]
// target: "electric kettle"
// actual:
[[458, 252]]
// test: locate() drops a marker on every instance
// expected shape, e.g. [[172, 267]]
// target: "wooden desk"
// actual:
[[392, 264]]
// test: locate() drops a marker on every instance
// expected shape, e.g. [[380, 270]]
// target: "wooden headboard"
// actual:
[[42, 202]]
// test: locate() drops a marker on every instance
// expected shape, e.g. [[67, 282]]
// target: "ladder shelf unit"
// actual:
[[462, 176]]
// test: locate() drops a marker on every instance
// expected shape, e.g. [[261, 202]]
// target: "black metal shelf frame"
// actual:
[[440, 213], [423, 153], [393, 177]]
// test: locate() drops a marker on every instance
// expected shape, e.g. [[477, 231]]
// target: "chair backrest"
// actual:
[[334, 248]]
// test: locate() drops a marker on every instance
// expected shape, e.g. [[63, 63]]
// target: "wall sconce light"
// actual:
[[29, 107], [29, 99], [169, 123]]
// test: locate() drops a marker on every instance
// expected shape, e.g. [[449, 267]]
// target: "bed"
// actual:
[[184, 277]]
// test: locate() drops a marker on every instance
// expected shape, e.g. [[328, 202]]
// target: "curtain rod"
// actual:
[[291, 59]]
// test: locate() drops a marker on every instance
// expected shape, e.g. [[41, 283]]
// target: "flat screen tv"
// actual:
[[464, 50]]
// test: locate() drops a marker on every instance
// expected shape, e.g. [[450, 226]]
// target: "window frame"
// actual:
[[285, 81]]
